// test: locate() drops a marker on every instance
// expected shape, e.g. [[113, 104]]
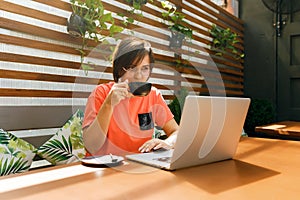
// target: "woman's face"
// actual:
[[138, 73]]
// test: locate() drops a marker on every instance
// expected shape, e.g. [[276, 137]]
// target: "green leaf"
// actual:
[[67, 144], [57, 150], [86, 68], [115, 29], [167, 5], [120, 14], [130, 20], [4, 137], [14, 166], [106, 18], [2, 150], [165, 14]]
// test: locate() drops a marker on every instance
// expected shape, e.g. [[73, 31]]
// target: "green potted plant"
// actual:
[[175, 21], [224, 39], [90, 20], [260, 112], [176, 105]]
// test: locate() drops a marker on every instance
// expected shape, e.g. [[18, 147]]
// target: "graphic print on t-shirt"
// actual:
[[145, 121]]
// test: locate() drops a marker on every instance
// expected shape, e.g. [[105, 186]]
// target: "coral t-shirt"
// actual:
[[132, 122]]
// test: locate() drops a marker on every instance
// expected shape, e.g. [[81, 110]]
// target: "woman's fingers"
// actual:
[[153, 144], [123, 84], [119, 92]]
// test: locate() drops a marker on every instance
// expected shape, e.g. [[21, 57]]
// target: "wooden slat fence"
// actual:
[[39, 63]]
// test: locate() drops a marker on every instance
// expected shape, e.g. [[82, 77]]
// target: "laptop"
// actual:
[[209, 131]]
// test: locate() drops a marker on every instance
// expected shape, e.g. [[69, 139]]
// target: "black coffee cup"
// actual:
[[140, 88]]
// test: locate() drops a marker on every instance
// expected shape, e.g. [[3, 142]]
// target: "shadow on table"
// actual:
[[221, 176]]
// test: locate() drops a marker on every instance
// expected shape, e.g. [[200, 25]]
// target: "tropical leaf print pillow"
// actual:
[[16, 155], [66, 146]]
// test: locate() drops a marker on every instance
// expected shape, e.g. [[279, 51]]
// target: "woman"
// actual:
[[117, 122]]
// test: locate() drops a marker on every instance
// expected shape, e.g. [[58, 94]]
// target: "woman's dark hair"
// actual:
[[129, 53]]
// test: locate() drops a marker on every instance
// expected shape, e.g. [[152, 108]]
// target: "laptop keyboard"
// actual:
[[163, 159]]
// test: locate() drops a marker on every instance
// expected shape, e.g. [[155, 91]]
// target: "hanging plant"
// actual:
[[136, 8], [76, 25], [88, 20], [175, 20], [178, 34], [136, 4], [224, 39]]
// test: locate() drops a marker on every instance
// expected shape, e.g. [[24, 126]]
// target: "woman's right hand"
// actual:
[[118, 92]]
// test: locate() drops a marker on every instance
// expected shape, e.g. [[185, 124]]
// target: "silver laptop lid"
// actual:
[[210, 130]]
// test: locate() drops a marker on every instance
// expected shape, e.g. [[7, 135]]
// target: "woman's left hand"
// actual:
[[154, 144]]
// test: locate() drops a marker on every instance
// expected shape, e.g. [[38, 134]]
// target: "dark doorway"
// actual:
[[288, 69]]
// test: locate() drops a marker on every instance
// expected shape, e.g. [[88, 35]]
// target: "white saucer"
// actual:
[[102, 161]]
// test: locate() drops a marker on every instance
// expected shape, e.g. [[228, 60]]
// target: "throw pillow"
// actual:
[[16, 155], [66, 146]]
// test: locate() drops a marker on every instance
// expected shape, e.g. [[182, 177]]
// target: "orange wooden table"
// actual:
[[262, 169]]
